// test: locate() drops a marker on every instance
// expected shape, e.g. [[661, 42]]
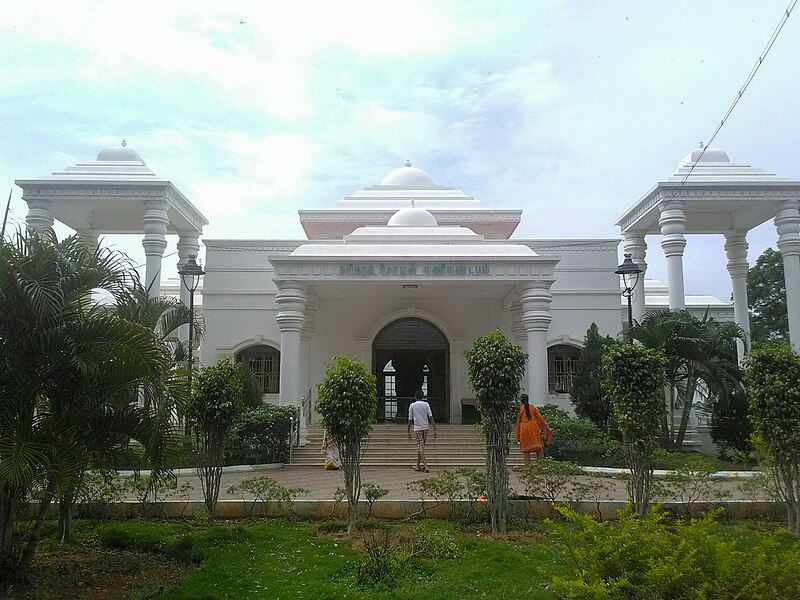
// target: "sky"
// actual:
[[569, 110]]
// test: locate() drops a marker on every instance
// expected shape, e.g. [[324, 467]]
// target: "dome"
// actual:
[[412, 217], [709, 155], [119, 154], [409, 178]]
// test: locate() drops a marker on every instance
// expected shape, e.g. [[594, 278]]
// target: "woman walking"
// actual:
[[532, 431]]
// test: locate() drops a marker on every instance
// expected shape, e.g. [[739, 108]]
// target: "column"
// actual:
[[787, 222], [637, 247], [90, 237], [307, 390], [535, 300], [154, 224], [736, 251], [291, 300], [40, 215], [673, 226]]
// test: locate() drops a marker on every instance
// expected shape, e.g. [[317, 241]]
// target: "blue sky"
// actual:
[[568, 110]]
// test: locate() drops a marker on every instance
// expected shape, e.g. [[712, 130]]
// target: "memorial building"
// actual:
[[406, 274]]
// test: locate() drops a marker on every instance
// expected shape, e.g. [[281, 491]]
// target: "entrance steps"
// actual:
[[388, 445]]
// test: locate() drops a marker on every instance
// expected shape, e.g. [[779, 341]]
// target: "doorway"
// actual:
[[411, 354]]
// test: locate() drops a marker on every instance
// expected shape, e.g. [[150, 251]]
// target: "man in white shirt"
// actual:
[[421, 417]]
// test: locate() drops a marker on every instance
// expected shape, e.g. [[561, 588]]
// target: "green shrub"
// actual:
[[692, 483], [548, 479], [646, 558], [266, 491], [580, 440], [433, 542], [373, 492], [261, 435]]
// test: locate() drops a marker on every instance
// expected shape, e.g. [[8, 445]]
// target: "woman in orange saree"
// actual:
[[532, 431]]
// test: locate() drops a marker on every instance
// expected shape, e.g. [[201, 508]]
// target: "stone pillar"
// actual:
[[535, 300], [291, 299], [90, 237], [673, 226], [307, 390], [40, 215], [736, 251], [637, 247], [154, 222], [787, 223]]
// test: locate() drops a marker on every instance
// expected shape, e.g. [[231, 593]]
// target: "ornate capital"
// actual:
[[736, 251]]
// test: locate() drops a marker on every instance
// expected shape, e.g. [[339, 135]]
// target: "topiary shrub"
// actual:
[[634, 380], [346, 400], [495, 367]]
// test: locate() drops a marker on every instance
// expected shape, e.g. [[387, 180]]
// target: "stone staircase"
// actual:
[[388, 445]]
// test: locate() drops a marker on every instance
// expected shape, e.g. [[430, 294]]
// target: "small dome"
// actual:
[[412, 217], [709, 155], [409, 178], [119, 154]]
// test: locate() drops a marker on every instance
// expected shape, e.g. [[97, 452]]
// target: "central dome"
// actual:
[[409, 178], [119, 154], [707, 154], [412, 217]]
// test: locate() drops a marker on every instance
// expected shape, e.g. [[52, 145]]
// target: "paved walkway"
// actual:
[[322, 484]]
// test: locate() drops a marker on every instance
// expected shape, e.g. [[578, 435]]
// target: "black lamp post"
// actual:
[[190, 274], [631, 273]]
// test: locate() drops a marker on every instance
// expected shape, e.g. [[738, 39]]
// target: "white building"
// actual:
[[405, 275]]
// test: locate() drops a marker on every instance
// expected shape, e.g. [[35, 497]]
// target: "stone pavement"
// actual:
[[322, 484]]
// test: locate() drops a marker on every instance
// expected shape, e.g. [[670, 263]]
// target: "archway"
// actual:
[[407, 355]]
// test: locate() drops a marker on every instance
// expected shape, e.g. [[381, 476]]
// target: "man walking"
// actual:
[[421, 417]]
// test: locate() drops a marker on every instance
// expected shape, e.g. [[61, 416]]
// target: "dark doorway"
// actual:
[[411, 354]]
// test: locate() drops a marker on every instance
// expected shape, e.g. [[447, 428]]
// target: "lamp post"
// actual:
[[190, 274], [631, 272]]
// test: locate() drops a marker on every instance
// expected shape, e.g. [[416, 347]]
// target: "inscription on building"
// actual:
[[391, 270]]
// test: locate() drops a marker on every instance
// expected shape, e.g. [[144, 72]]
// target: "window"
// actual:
[[389, 389], [264, 362], [562, 364]]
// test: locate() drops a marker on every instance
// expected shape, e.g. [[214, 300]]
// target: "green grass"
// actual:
[[289, 559], [293, 559]]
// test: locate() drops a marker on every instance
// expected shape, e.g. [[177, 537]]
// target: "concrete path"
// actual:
[[322, 484]]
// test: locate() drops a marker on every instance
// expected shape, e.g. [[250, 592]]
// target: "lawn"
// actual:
[[135, 560]]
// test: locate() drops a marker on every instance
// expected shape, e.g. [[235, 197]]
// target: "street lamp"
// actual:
[[190, 274], [631, 273]]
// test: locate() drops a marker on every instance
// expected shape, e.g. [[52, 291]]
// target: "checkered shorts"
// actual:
[[422, 437]]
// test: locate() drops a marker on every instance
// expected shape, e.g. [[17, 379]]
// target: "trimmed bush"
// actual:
[[580, 440], [261, 435]]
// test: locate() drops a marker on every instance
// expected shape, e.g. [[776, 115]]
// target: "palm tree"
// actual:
[[69, 368], [701, 356]]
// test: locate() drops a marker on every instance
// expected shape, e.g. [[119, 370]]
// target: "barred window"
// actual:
[[264, 363], [390, 401], [562, 364]]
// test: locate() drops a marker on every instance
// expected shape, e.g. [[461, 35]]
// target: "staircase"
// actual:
[[388, 445]]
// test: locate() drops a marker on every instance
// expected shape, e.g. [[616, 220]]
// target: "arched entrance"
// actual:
[[407, 355]]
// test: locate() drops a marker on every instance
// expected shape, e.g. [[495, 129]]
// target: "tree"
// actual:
[[346, 400], [634, 380], [773, 373], [68, 369], [495, 368], [766, 291], [217, 400], [164, 315], [701, 355], [587, 394]]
